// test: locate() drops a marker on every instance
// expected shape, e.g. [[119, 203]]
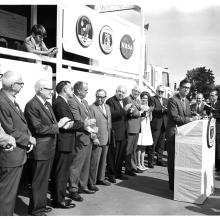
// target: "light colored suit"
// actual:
[[99, 153], [79, 169]]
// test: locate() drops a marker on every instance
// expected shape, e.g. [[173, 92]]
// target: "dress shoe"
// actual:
[[150, 165], [161, 163], [121, 177], [130, 173], [112, 179], [47, 209], [94, 188], [66, 204], [75, 196], [137, 171], [103, 182], [40, 213], [86, 191]]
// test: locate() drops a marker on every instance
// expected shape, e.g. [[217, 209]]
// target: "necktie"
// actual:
[[103, 109], [197, 110], [17, 107], [47, 106], [184, 104], [82, 102]]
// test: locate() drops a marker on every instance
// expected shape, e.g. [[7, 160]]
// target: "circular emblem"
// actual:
[[84, 31], [126, 46], [211, 132], [105, 39]]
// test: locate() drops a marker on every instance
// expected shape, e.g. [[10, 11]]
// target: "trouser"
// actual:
[[97, 164], [9, 183], [171, 159], [131, 157], [158, 145], [41, 173], [79, 168]]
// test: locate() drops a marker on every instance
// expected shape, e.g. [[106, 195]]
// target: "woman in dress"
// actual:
[[145, 136]]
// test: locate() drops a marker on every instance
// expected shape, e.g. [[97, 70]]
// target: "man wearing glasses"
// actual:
[[101, 112], [44, 127], [12, 155], [179, 113], [158, 126]]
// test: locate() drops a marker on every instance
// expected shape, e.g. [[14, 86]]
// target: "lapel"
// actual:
[[118, 103], [49, 114], [82, 107], [184, 108], [20, 113], [135, 102], [158, 101], [64, 103], [100, 110]]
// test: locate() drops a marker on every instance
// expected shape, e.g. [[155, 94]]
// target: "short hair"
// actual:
[[9, 77], [101, 90], [41, 83], [160, 86], [61, 85], [199, 94], [184, 81], [136, 87], [144, 93], [121, 86], [39, 29], [78, 86], [214, 90]]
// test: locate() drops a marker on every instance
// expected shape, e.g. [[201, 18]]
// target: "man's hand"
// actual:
[[32, 141], [89, 122], [128, 106], [68, 125], [63, 122]]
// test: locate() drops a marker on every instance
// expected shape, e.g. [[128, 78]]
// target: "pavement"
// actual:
[[145, 194]]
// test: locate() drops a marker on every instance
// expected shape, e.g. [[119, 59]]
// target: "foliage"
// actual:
[[202, 80]]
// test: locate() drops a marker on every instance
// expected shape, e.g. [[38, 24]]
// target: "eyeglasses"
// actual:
[[185, 87], [49, 89], [100, 97], [160, 91], [19, 83]]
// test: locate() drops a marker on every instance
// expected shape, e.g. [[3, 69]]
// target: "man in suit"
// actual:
[[65, 145], [101, 112], [158, 126], [13, 158], [79, 169], [44, 127], [214, 111], [116, 151], [199, 108], [179, 113], [133, 129]]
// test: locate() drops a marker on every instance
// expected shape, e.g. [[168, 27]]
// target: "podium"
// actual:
[[194, 161]]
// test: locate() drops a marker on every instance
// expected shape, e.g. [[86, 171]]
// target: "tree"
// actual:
[[202, 80]]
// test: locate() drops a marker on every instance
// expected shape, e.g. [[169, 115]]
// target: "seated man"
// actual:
[[199, 108], [35, 44]]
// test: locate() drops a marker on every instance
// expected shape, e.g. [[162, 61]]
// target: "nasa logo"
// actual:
[[84, 31], [126, 46], [106, 39], [211, 132]]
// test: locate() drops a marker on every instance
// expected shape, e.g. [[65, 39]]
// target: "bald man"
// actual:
[[44, 127], [13, 156]]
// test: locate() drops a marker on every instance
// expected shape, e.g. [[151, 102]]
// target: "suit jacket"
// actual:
[[119, 118], [201, 111], [4, 138], [159, 117], [14, 124], [44, 128], [177, 116], [80, 113], [134, 119], [66, 138], [103, 122]]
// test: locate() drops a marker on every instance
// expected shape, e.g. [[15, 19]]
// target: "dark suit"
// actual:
[[119, 127], [199, 109], [65, 145], [99, 153], [133, 129], [216, 114], [11, 163], [158, 127], [79, 169], [177, 116], [44, 128]]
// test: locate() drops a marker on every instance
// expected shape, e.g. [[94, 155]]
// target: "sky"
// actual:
[[183, 35]]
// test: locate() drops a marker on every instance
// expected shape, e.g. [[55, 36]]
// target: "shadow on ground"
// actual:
[[149, 185]]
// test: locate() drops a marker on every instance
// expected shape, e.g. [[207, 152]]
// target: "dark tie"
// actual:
[[47, 106], [17, 107], [197, 110], [184, 104]]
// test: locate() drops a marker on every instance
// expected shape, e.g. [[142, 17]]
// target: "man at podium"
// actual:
[[179, 113]]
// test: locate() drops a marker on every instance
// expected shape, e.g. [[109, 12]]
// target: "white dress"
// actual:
[[145, 136]]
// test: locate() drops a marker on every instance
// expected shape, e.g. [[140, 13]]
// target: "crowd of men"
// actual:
[[75, 147]]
